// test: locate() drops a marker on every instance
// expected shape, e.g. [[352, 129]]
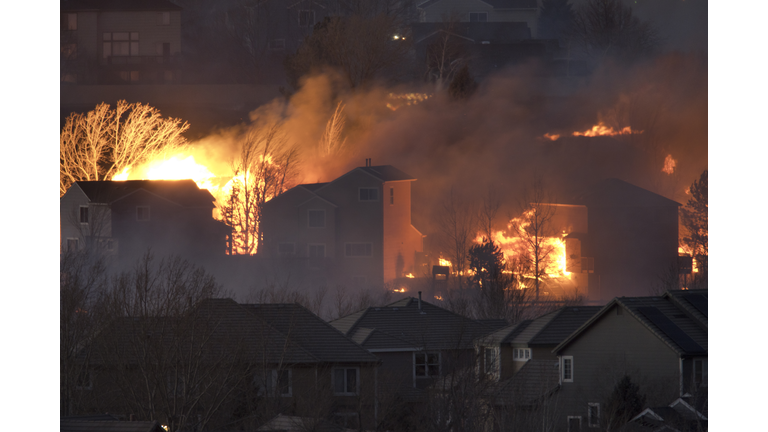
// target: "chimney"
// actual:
[[420, 301], [367, 162]]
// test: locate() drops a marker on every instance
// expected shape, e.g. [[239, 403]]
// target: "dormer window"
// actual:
[[521, 354], [369, 194]]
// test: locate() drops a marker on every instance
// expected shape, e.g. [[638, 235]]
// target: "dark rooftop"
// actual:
[[68, 425], [613, 192], [182, 192], [387, 173], [118, 5]]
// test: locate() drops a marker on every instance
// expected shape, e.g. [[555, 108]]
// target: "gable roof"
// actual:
[[386, 173], [185, 193], [548, 329], [693, 302], [324, 342], [613, 192], [660, 316], [118, 5], [401, 326]]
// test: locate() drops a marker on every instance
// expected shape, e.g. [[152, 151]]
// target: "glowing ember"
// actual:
[[552, 137], [401, 290], [444, 262], [687, 251], [601, 129], [669, 165], [410, 275], [404, 99], [438, 297]]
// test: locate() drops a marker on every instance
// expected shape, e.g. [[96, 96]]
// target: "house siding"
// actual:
[[615, 345]]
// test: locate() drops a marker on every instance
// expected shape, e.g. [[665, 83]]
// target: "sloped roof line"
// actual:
[[357, 320], [619, 301], [316, 196]]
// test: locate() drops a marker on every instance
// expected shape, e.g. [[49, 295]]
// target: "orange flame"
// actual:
[[410, 276], [600, 129], [669, 165]]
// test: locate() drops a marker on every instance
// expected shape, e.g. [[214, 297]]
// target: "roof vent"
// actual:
[[420, 310]]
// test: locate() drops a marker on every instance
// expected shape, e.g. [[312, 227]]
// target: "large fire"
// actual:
[[600, 129], [669, 165]]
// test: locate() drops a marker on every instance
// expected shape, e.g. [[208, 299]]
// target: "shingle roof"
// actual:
[[67, 425], [661, 316], [118, 5], [567, 320], [401, 325], [693, 302], [320, 339], [506, 334], [534, 381], [387, 173], [613, 192], [182, 192]]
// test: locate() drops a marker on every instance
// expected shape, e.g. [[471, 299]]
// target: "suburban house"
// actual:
[[621, 240], [677, 416], [355, 230], [252, 362], [417, 342], [120, 41], [506, 351], [125, 218], [658, 343], [525, 11]]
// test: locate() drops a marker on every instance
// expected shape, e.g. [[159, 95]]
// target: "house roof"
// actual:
[[662, 317], [534, 381], [320, 339], [284, 423], [613, 192], [118, 5], [387, 173], [679, 415], [505, 334], [67, 425], [693, 302], [313, 186], [185, 193], [548, 329], [475, 32], [402, 326]]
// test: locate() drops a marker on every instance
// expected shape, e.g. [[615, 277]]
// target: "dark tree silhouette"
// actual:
[[625, 402], [555, 19], [463, 85]]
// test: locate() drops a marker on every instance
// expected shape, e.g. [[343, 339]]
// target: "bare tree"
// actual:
[[488, 211], [446, 54], [331, 142], [609, 28], [534, 228], [104, 142], [83, 282], [265, 168], [458, 225]]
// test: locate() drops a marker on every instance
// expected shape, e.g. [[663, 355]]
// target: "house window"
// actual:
[[316, 250], [391, 195], [142, 213], [72, 244], [120, 44], [491, 361], [478, 16], [164, 18], [276, 45], [521, 354], [69, 21], [345, 381], [83, 214], [316, 218], [278, 383], [593, 414], [358, 249], [306, 18], [587, 265], [574, 423], [426, 365], [163, 49], [285, 249], [369, 194], [567, 369]]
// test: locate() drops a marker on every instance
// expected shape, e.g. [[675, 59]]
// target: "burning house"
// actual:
[[355, 229], [125, 218]]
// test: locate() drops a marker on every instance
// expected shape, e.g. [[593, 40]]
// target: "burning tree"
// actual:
[[533, 229], [104, 142], [457, 223], [265, 168], [695, 219]]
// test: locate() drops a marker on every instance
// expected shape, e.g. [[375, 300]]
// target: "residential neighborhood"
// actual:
[[384, 216]]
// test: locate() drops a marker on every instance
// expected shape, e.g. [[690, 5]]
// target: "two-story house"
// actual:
[[417, 342], [223, 362], [120, 41], [355, 230], [125, 218], [660, 343]]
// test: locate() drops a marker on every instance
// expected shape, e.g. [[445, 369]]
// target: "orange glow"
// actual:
[[686, 250], [405, 99], [444, 262], [600, 129], [669, 165], [410, 275], [439, 297], [401, 290], [552, 137]]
